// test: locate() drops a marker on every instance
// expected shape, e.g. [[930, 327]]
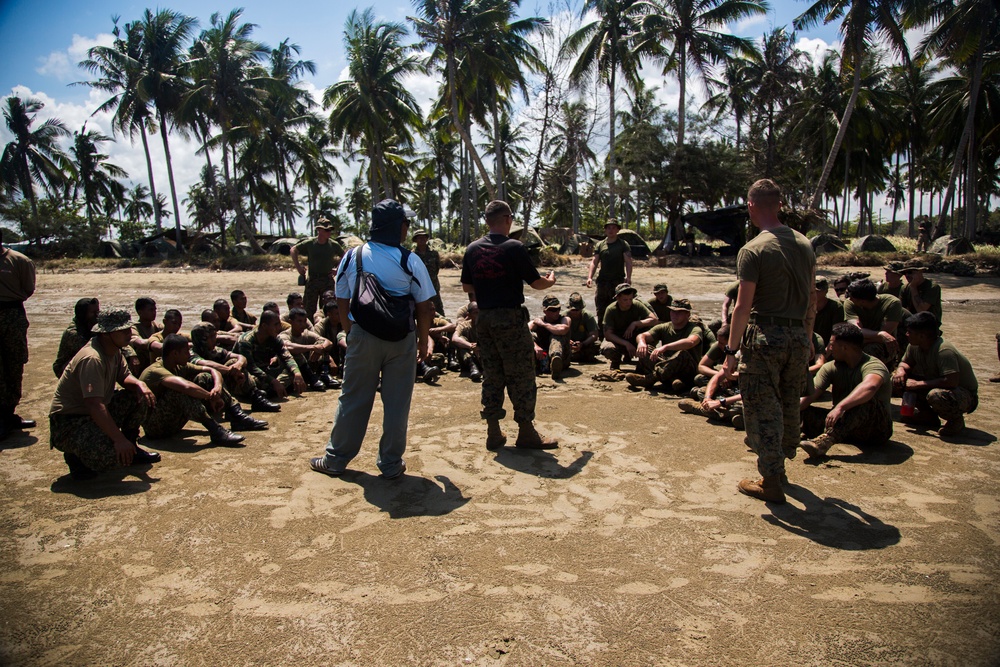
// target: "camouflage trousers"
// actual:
[[615, 353], [436, 300], [949, 404], [554, 346], [587, 353], [508, 356], [465, 356], [678, 365], [13, 356], [866, 424], [173, 410], [79, 435], [604, 295], [772, 376], [315, 286]]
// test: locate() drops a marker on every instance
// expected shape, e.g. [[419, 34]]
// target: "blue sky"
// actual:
[[41, 42]]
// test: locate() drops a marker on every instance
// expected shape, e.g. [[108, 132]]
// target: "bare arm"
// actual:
[[425, 313], [545, 282], [738, 323], [628, 268], [294, 253], [861, 394], [593, 269]]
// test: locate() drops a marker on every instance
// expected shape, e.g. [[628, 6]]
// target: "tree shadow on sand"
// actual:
[[541, 462], [108, 484], [890, 454], [831, 522], [410, 495]]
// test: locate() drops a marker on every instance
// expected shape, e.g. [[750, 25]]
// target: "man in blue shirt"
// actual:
[[370, 358]]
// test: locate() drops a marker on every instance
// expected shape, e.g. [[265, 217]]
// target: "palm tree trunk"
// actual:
[[170, 178], [682, 80], [464, 195], [970, 188], [149, 170], [841, 133], [911, 186], [611, 143], [462, 130], [498, 150], [241, 220], [529, 201]]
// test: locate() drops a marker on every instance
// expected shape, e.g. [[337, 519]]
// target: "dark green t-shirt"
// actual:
[[929, 292], [580, 329], [781, 263], [618, 320], [612, 260], [886, 288], [940, 360], [665, 333], [844, 379], [830, 314], [322, 256], [157, 373], [887, 308]]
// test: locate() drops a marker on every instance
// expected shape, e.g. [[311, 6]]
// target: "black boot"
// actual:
[[221, 435], [259, 403], [453, 364], [77, 469], [475, 374], [430, 374], [328, 379], [313, 383], [241, 421]]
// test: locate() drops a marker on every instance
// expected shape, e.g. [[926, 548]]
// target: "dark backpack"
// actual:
[[381, 314]]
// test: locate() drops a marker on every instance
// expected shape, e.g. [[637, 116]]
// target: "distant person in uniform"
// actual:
[[495, 269], [660, 303], [78, 333], [921, 295], [322, 253], [924, 236], [893, 283], [584, 334], [432, 260], [624, 320], [550, 333], [772, 326], [612, 263], [878, 316], [239, 299], [828, 311], [17, 284], [669, 352], [142, 331]]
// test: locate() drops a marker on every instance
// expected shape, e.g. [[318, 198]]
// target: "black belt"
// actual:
[[780, 321], [6, 305]]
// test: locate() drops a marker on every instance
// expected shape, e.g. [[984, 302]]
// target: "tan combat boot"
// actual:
[[818, 446], [495, 438], [640, 380], [529, 438], [692, 407], [766, 488], [953, 427]]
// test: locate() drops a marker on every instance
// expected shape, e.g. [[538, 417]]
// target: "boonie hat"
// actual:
[[550, 302], [575, 301], [625, 288], [614, 222], [913, 265], [109, 321], [660, 287], [680, 304], [895, 267], [324, 223], [420, 232]]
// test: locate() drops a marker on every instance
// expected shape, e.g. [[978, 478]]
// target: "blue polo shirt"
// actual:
[[383, 261]]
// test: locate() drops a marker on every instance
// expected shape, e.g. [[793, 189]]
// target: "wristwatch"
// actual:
[[730, 352]]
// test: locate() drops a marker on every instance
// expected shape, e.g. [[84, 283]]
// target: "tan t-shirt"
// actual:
[[157, 373], [90, 374], [781, 263], [158, 337], [17, 276]]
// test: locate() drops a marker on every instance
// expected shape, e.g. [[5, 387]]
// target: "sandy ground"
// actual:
[[629, 545]]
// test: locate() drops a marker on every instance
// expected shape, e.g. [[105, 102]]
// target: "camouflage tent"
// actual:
[[638, 245], [111, 249], [282, 246], [573, 243], [872, 243], [349, 241], [952, 245], [160, 247], [824, 243]]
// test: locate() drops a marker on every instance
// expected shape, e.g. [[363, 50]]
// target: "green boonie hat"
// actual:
[[575, 301], [420, 232], [660, 287], [109, 321], [680, 304], [913, 265], [614, 222], [895, 267], [324, 223], [625, 288], [550, 302]]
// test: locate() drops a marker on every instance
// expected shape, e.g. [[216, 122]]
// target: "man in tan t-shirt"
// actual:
[[94, 424], [772, 324]]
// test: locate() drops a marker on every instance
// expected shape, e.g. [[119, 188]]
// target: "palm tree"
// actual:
[[119, 68], [228, 85], [137, 206], [96, 177], [605, 47], [967, 35], [692, 28], [373, 104], [911, 83], [162, 50], [570, 148], [732, 94], [33, 156], [864, 22]]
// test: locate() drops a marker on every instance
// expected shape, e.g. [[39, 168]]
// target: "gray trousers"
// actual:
[[369, 358]]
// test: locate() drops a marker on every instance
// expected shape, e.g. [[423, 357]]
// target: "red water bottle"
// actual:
[[909, 403]]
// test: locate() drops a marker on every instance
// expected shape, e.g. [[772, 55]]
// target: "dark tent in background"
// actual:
[[952, 245], [282, 246], [573, 244], [727, 224], [111, 249], [872, 243], [638, 244], [824, 243], [160, 246]]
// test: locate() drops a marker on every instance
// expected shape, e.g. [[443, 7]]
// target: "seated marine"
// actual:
[[624, 320], [77, 334], [310, 351], [669, 352], [269, 365], [550, 334]]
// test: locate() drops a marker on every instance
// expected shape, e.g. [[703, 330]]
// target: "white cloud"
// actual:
[[62, 65], [815, 48], [744, 26]]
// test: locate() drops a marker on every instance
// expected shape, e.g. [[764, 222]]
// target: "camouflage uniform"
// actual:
[[508, 356], [80, 435], [221, 356], [949, 404], [72, 341], [266, 361], [867, 424], [467, 330], [554, 346], [174, 409], [773, 371], [677, 365], [432, 260], [13, 356]]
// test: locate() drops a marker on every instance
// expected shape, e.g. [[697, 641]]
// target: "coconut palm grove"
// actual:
[[900, 126]]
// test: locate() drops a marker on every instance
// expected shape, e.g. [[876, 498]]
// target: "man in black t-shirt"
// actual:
[[495, 269]]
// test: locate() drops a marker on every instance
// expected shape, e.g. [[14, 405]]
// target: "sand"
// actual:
[[628, 545]]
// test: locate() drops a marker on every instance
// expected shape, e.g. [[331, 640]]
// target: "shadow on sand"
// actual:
[[184, 442], [831, 522], [17, 440], [410, 495], [890, 454], [541, 462], [108, 484]]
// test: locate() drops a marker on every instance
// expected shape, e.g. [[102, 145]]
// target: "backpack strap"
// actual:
[[404, 263]]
